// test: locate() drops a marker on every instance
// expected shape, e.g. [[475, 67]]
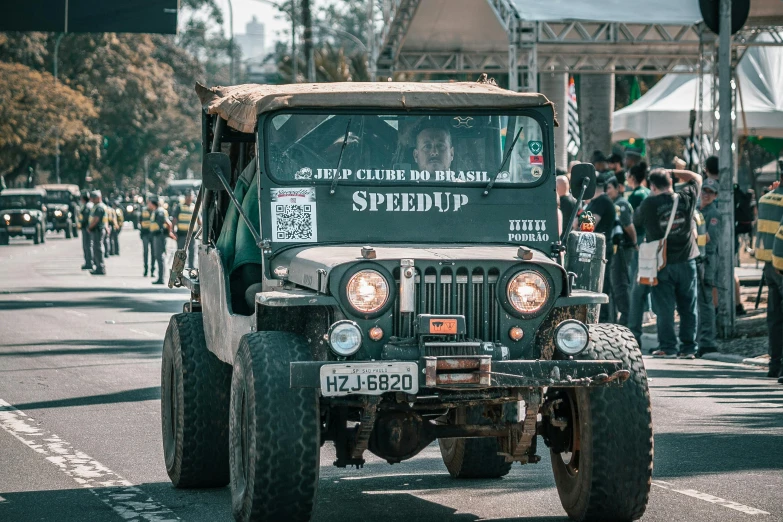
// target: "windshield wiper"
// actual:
[[340, 159], [506, 156]]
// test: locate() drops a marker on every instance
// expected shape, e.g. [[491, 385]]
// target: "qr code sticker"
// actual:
[[294, 216]]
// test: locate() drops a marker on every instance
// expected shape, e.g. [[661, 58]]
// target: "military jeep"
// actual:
[[380, 267], [62, 208], [22, 213]]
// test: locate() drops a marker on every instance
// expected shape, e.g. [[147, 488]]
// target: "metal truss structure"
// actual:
[[564, 47]]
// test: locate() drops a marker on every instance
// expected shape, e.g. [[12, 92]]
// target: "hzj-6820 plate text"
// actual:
[[369, 378]]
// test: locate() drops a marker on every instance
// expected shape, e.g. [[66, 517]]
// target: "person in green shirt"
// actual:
[[636, 181], [640, 294]]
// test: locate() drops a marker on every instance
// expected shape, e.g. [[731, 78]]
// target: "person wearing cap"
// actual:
[[84, 223], [632, 158], [769, 248], [181, 218], [146, 240], [707, 270], [160, 227], [600, 162], [604, 213], [98, 228], [623, 245]]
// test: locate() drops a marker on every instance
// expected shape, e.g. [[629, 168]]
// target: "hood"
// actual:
[[305, 264]]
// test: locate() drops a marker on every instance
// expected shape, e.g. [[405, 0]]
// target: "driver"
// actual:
[[433, 148]]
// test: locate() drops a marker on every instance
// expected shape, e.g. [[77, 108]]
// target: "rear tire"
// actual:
[[68, 229], [195, 387], [274, 432], [475, 457], [607, 478]]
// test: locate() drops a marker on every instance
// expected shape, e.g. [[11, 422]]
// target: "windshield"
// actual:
[[19, 201], [58, 196], [405, 148]]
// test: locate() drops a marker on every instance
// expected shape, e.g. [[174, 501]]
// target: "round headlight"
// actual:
[[7, 217], [26, 217], [571, 337], [58, 213], [129, 208], [367, 291], [345, 338], [528, 292]]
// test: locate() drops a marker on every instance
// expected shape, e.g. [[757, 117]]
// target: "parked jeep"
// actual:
[[62, 208], [22, 213], [380, 267]]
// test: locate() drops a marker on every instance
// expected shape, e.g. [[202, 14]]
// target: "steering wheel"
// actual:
[[308, 153]]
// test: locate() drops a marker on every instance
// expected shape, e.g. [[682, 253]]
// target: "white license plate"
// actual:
[[28, 230], [369, 378]]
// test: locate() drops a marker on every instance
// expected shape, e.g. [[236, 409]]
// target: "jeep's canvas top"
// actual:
[[240, 105]]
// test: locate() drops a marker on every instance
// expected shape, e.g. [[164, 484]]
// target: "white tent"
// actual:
[[664, 110]]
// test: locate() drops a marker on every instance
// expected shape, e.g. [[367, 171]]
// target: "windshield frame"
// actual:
[[265, 128]]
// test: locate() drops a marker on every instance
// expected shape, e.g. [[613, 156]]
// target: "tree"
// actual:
[[34, 110]]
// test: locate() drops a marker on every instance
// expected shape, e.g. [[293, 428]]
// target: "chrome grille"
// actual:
[[458, 290]]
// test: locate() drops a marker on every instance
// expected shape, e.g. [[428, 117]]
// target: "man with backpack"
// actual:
[[676, 286]]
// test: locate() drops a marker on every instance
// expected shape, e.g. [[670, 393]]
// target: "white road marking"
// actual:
[[143, 332], [77, 314], [2, 500], [706, 497], [127, 500]]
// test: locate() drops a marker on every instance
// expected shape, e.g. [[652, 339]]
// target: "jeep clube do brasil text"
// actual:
[[380, 267]]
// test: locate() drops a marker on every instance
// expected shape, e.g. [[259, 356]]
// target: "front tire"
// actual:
[[605, 476], [195, 388], [274, 432], [68, 229], [37, 237], [474, 457]]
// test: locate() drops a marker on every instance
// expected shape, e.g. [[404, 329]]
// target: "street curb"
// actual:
[[731, 358]]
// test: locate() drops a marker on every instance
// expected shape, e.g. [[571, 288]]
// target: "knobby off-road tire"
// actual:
[[37, 237], [195, 399], [475, 457], [608, 477], [275, 431], [68, 230]]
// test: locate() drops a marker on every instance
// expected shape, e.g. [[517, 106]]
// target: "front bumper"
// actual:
[[480, 372]]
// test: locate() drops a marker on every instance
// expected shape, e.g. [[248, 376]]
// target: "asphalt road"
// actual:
[[80, 437]]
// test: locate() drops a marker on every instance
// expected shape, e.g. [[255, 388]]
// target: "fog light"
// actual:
[[376, 333], [516, 333], [571, 337], [345, 338]]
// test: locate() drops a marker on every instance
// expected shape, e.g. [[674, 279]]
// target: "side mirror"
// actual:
[[209, 178], [583, 174]]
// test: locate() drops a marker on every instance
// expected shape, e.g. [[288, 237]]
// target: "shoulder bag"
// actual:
[[652, 254]]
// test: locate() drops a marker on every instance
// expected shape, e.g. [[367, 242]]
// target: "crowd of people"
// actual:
[[633, 204], [101, 225]]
